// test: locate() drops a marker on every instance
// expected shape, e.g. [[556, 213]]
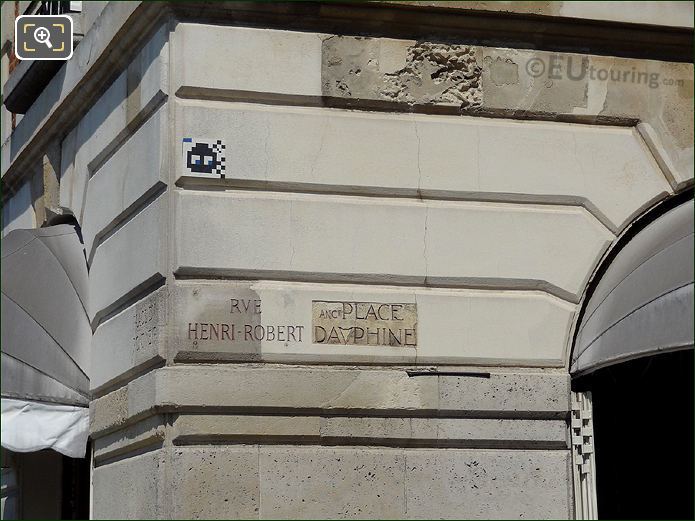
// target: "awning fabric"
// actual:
[[30, 426], [46, 339], [643, 303]]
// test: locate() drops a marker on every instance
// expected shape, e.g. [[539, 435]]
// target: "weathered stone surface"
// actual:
[[460, 483], [276, 234], [502, 81], [132, 488], [364, 323], [335, 483], [390, 70], [511, 393], [109, 411], [206, 427], [214, 483], [446, 431], [272, 321], [345, 430], [149, 432], [547, 392], [130, 340]]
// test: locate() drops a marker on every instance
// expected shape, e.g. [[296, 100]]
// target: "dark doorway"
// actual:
[[643, 430]]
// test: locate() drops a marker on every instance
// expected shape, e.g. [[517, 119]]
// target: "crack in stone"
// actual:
[[419, 193]]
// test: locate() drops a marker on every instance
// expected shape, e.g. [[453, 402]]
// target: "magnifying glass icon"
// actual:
[[43, 35]]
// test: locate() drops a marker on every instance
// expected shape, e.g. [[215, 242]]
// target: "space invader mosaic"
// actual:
[[204, 157]]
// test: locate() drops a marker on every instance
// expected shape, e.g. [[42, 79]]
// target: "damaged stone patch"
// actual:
[[401, 72]]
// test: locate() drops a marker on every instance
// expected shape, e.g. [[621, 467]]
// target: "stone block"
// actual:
[[365, 430], [535, 394], [129, 341], [131, 488], [129, 260], [499, 484], [607, 169], [331, 483], [135, 172], [215, 483], [200, 428], [272, 235], [445, 432], [312, 389], [293, 57], [146, 433], [109, 411], [512, 393]]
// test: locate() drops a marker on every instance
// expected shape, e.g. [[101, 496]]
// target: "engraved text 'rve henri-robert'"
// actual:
[[364, 323], [246, 329]]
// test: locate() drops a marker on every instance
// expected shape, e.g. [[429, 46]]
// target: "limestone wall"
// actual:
[[456, 201]]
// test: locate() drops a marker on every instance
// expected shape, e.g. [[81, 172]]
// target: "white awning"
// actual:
[[46, 339], [31, 426], [643, 303]]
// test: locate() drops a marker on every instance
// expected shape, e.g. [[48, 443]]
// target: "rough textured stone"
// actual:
[[206, 427], [388, 70], [344, 430], [134, 437], [214, 483], [513, 393], [548, 392], [131, 488], [335, 483], [459, 483], [109, 411]]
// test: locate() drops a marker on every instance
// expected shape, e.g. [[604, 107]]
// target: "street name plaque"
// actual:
[[364, 323]]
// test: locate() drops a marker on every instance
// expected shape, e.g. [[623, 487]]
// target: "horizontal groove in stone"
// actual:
[[141, 291], [127, 454], [137, 436], [367, 279], [124, 378], [369, 442], [216, 357], [124, 135], [309, 412], [475, 27], [298, 100], [123, 218]]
